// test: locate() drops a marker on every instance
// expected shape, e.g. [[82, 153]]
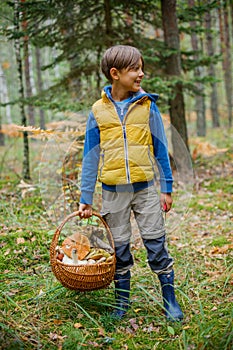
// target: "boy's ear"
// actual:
[[114, 73]]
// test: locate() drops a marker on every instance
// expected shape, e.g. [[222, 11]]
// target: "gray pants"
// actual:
[[145, 204]]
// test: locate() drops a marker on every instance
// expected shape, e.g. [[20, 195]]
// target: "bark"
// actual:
[[4, 95], [40, 85], [173, 69], [26, 167], [228, 64], [211, 72], [1, 100], [75, 85], [2, 139], [231, 16], [226, 54], [198, 73], [108, 22], [31, 116]]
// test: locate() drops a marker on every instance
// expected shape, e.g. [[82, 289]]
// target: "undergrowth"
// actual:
[[37, 312]]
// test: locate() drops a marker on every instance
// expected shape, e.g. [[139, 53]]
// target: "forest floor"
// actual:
[[37, 312]]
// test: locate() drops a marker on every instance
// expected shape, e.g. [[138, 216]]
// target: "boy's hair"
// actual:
[[120, 57]]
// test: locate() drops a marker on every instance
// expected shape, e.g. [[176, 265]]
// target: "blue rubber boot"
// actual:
[[172, 309], [122, 292]]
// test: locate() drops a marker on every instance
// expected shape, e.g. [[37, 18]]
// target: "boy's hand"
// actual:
[[85, 211], [166, 201]]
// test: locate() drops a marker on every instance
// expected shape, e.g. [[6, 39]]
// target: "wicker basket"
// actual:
[[82, 277]]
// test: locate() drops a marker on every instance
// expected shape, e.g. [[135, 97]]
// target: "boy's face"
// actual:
[[129, 79]]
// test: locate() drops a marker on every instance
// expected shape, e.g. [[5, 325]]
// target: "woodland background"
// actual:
[[49, 78]]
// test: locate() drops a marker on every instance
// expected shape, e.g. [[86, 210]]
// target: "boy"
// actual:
[[124, 142]]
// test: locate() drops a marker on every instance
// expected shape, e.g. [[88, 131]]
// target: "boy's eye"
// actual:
[[135, 68]]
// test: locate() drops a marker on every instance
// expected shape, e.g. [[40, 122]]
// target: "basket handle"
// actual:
[[72, 215]]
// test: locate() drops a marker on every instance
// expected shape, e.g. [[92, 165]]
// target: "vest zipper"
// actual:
[[125, 138], [126, 154], [126, 143]]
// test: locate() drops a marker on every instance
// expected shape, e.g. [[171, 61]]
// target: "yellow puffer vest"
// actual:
[[126, 148]]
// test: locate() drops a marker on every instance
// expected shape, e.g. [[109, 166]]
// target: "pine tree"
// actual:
[[26, 165], [226, 55], [211, 70], [173, 70], [198, 74]]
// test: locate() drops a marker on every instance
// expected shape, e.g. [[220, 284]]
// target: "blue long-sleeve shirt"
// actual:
[[91, 154]]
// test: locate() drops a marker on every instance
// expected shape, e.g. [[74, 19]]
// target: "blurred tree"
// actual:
[[26, 164], [31, 116], [79, 31], [198, 74], [226, 55], [39, 84], [173, 70], [211, 68]]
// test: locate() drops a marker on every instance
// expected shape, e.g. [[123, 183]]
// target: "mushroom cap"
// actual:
[[77, 241]]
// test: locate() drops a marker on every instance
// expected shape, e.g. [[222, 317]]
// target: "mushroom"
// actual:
[[67, 260], [60, 253], [75, 258]]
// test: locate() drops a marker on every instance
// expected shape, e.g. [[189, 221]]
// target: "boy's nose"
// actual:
[[141, 73]]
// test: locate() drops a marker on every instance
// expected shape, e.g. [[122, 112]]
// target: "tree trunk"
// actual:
[[231, 16], [4, 95], [198, 73], [26, 167], [228, 64], [108, 22], [75, 85], [1, 100], [2, 139], [173, 69], [31, 116], [226, 54], [40, 85], [211, 72]]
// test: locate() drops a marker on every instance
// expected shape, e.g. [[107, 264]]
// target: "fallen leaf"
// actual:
[[7, 252], [20, 240], [12, 292], [137, 310], [55, 336], [171, 330], [94, 344], [57, 322], [205, 149], [133, 323], [151, 328], [78, 325], [221, 250], [186, 327], [129, 330], [214, 308], [101, 332]]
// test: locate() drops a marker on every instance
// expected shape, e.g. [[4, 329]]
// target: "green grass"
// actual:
[[36, 312]]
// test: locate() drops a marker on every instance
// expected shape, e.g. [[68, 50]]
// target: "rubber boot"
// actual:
[[172, 309], [122, 292]]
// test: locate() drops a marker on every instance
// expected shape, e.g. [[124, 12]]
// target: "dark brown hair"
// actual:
[[120, 57]]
